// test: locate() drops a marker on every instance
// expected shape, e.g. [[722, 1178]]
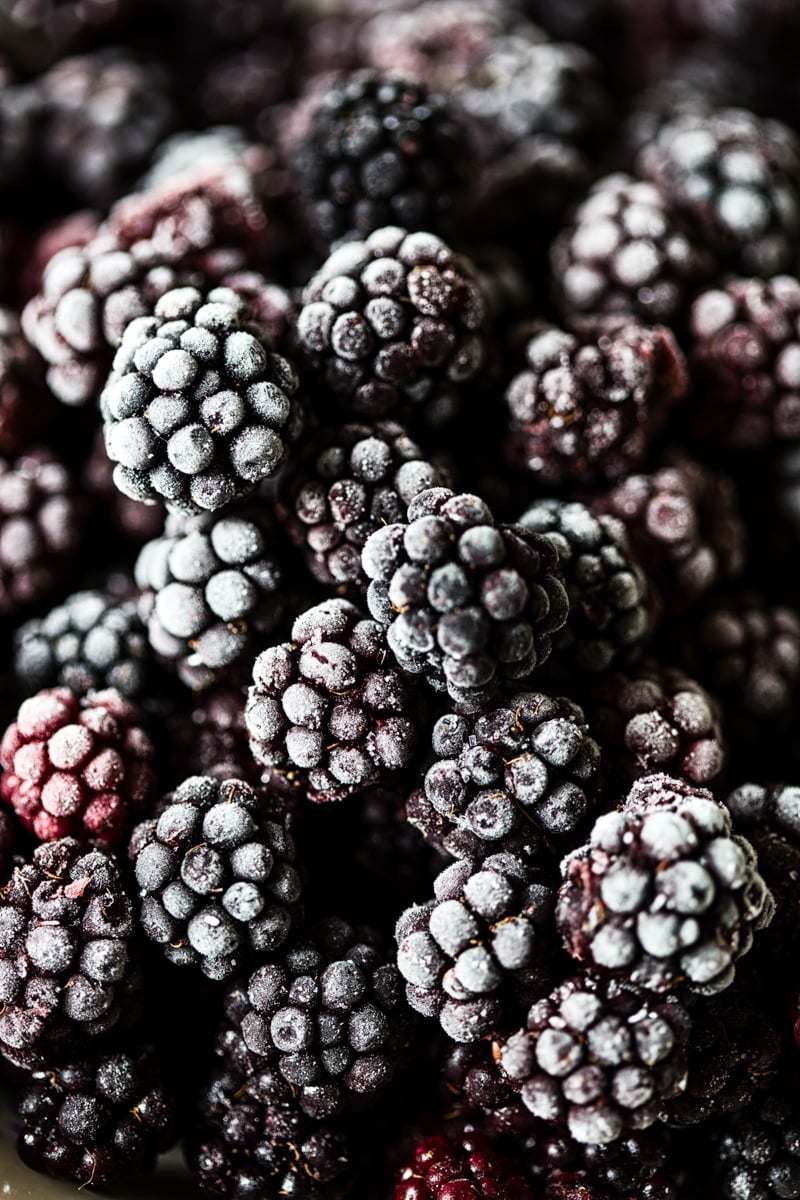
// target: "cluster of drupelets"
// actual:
[[398, 514]]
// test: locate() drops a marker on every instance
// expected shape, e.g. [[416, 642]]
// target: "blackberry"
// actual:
[[364, 478], [464, 1163], [647, 1164], [391, 319], [104, 114], [210, 738], [609, 615], [526, 86], [89, 294], [87, 644], [465, 603], [599, 1057], [40, 528], [66, 965], [26, 407], [216, 876], [77, 766], [758, 1152], [97, 1120], [625, 251], [439, 42], [746, 360], [768, 815], [251, 1138], [586, 411], [210, 589], [531, 762], [325, 709], [480, 948], [684, 527], [196, 403], [748, 653], [654, 718], [732, 1055], [328, 1015], [736, 178], [663, 893], [380, 150]]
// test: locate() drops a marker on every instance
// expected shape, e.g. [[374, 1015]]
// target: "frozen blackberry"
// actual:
[[746, 362], [748, 653], [732, 1054], [463, 1163], [609, 617], [684, 527], [599, 1057], [391, 319], [654, 718], [325, 709], [210, 738], [526, 86], [26, 406], [97, 1120], [251, 1138], [77, 766], [40, 528], [465, 603], [381, 150], [104, 114], [87, 643], [439, 42], [663, 894], [88, 295], [758, 1152], [328, 1014], [66, 968], [196, 403], [586, 411], [625, 251], [210, 590], [768, 815], [736, 178], [364, 478], [532, 761], [480, 949], [216, 876]]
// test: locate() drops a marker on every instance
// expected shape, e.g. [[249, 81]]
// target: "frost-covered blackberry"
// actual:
[[598, 1057], [609, 614], [626, 251], [86, 644], [586, 409], [216, 875], [381, 150], [481, 949], [328, 1014], [664, 894], [655, 718], [211, 587], [391, 319], [364, 477], [466, 603], [325, 708], [531, 763], [736, 178], [68, 972], [197, 403]]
